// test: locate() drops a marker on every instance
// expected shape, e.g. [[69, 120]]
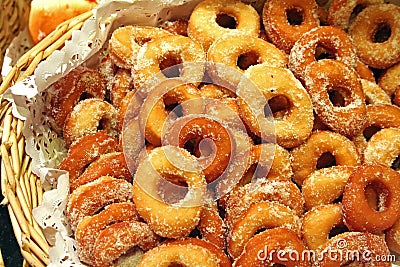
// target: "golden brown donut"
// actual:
[[326, 185], [78, 84], [318, 222], [371, 249], [275, 242], [359, 215], [231, 55], [334, 41], [90, 116], [372, 49], [211, 226], [374, 94], [284, 192], [341, 11], [286, 21], [90, 227], [260, 216], [331, 77], [320, 143], [125, 43], [87, 199], [169, 51], [389, 79], [119, 238], [169, 213], [295, 125], [210, 20], [86, 150], [364, 72], [111, 164], [383, 148]]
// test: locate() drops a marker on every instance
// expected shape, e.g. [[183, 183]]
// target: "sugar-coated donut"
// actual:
[[389, 80], [125, 43], [359, 215], [383, 147], [179, 218], [89, 116], [198, 128], [374, 94], [260, 216], [284, 192], [86, 150], [365, 32], [180, 254], [165, 52], [392, 237], [318, 222], [326, 185], [211, 226], [334, 41], [364, 72], [294, 125], [111, 164], [87, 199], [78, 84], [119, 238], [206, 23], [341, 11], [378, 117], [268, 248], [359, 247], [231, 55], [306, 156], [90, 227], [327, 77], [122, 84], [286, 21]]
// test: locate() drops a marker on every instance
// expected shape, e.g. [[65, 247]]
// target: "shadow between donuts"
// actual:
[[169, 116]]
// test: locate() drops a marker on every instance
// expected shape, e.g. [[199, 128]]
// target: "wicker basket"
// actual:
[[21, 188]]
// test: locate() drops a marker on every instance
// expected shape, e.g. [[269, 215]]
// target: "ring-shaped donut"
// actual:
[[259, 216], [359, 215], [125, 43], [389, 80], [295, 125], [181, 53], [316, 235], [88, 116], [90, 227], [331, 39], [327, 77], [233, 50], [86, 150], [282, 29], [204, 21], [172, 220], [306, 156], [365, 28], [87, 199]]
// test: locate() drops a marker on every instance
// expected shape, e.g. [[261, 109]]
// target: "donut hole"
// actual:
[[370, 131], [382, 33], [171, 65], [376, 195], [339, 96], [323, 52], [279, 106], [326, 160], [226, 21], [396, 164], [172, 188], [200, 147], [338, 229], [295, 16], [248, 59]]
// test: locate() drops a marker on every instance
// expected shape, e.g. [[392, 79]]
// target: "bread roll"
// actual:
[[45, 15]]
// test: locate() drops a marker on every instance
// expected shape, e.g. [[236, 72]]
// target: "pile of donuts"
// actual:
[[324, 177]]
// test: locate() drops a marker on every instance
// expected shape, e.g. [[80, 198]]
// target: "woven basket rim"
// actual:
[[22, 189]]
